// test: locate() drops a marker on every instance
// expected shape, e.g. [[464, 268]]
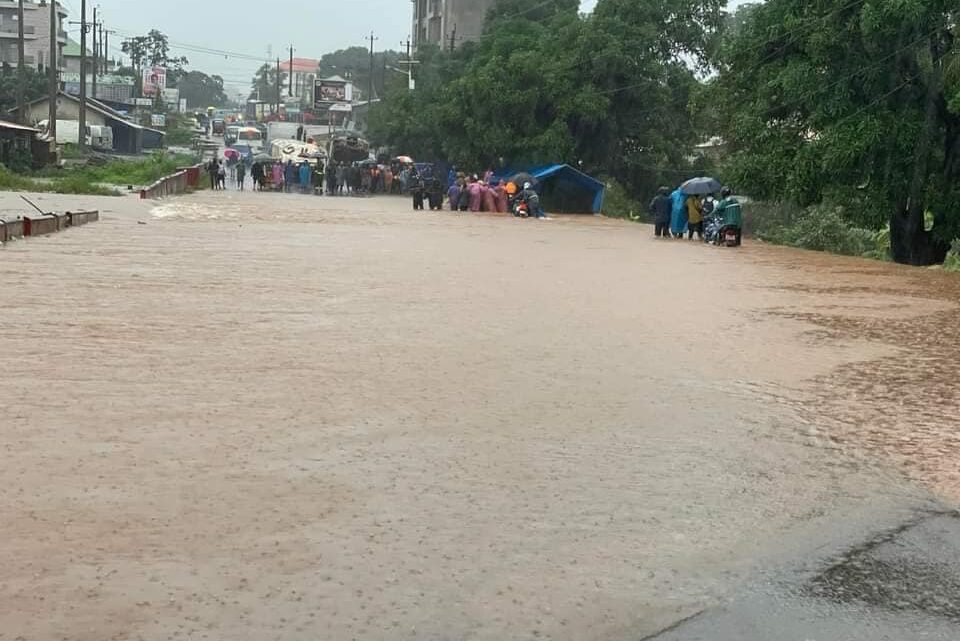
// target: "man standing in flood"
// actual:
[[660, 208]]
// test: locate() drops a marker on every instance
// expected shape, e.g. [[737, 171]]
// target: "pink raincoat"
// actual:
[[476, 196], [503, 204], [489, 200]]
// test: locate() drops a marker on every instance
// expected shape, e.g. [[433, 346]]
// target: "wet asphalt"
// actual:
[[901, 585]]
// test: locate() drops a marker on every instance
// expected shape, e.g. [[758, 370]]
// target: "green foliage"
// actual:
[[10, 181], [952, 263], [201, 91], [619, 204], [35, 87], [122, 172], [820, 228], [545, 84], [71, 151], [264, 85], [353, 64], [847, 103], [153, 50]]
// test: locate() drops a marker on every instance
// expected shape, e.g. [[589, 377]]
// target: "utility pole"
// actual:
[[103, 50], [278, 88], [82, 142], [95, 62], [53, 70], [453, 38], [106, 50], [21, 68], [290, 87], [409, 62], [370, 95]]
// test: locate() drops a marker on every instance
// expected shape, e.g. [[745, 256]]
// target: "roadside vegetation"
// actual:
[[100, 180], [10, 181]]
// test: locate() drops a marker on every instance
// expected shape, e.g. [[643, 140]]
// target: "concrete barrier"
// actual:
[[173, 184], [63, 221], [12, 229], [78, 218], [40, 224]]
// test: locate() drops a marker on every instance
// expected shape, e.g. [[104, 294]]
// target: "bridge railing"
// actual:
[[176, 183]]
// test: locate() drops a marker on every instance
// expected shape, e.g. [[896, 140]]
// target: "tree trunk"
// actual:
[[910, 243]]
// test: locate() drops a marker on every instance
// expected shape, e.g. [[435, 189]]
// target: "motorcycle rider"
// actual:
[[532, 198], [730, 212]]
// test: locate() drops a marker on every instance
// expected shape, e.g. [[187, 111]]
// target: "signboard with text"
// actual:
[[330, 92]]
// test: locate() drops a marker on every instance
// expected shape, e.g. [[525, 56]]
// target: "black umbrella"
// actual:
[[523, 177], [700, 186]]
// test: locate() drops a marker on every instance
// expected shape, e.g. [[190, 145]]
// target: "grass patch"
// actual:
[[138, 173], [65, 185]]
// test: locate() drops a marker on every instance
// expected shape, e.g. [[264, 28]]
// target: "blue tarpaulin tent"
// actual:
[[565, 190]]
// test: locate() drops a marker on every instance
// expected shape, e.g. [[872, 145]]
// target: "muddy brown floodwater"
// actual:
[[282, 417]]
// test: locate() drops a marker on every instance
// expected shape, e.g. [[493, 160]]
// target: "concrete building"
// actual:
[[304, 72], [36, 32], [127, 135], [447, 23]]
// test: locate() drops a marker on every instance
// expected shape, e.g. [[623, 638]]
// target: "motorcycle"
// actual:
[[716, 233], [521, 209]]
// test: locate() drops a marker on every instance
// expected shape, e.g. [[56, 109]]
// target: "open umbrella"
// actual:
[[523, 177], [263, 158], [404, 160], [701, 186]]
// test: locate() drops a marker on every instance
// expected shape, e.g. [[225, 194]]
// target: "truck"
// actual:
[[68, 131]]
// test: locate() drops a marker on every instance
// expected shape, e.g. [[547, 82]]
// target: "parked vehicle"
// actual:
[[251, 136], [232, 135], [68, 131], [716, 233]]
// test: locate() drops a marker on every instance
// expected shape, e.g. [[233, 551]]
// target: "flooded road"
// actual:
[[257, 416]]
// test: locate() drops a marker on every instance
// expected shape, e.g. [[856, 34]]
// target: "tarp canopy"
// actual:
[[564, 189]]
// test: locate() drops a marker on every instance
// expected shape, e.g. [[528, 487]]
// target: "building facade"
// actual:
[[448, 23], [303, 72], [36, 33]]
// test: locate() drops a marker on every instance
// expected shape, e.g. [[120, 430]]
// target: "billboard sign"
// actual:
[[331, 92], [154, 80]]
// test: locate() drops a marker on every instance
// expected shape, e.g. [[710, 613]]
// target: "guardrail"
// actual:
[[38, 224], [177, 183]]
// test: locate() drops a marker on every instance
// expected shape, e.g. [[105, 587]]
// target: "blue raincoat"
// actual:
[[678, 215]]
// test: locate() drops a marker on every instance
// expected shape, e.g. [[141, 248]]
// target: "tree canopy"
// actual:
[[201, 90], [265, 83], [858, 104], [353, 64], [546, 84]]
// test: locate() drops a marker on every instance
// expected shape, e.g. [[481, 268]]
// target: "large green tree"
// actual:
[[353, 63], [201, 90], [36, 86], [545, 84], [855, 103], [267, 83]]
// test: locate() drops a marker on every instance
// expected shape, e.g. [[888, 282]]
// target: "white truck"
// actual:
[[68, 131]]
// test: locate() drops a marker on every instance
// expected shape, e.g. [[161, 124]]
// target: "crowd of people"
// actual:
[[471, 192], [461, 191], [677, 215]]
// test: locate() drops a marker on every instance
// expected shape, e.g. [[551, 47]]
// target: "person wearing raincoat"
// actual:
[[678, 214], [661, 208]]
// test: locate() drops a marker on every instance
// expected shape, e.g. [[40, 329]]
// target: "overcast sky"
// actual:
[[252, 27]]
